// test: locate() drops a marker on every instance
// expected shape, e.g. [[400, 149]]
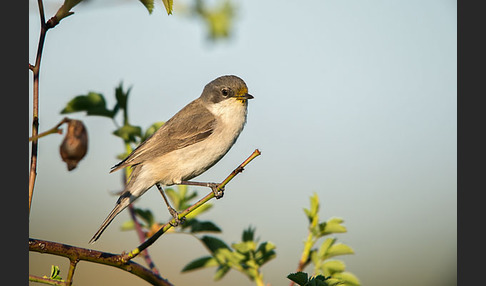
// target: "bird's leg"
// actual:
[[172, 211], [218, 193]]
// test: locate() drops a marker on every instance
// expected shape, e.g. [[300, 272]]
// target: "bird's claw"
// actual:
[[218, 193], [177, 221]]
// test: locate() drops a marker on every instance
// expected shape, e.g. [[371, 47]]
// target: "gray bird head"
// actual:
[[226, 87]]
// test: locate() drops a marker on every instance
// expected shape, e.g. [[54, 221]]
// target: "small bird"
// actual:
[[187, 145]]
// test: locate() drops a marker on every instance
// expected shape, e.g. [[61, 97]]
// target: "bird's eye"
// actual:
[[225, 91]]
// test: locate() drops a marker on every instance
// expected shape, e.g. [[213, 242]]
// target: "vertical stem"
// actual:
[[305, 254], [259, 280], [35, 113], [141, 237], [72, 267]]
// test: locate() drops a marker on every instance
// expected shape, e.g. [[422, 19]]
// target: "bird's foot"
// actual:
[[177, 221], [218, 193]]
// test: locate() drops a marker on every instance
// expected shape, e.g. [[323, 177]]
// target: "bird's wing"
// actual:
[[190, 125]]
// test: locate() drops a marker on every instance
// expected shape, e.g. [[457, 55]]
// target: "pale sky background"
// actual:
[[354, 100]]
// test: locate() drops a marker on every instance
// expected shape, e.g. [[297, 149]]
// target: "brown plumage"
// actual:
[[188, 144]]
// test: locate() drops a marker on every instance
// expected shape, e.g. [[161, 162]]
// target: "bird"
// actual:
[[187, 145]]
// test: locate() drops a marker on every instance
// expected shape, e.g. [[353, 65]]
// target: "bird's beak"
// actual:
[[244, 96]]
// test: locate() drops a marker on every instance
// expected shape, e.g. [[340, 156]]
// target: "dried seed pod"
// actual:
[[75, 144]]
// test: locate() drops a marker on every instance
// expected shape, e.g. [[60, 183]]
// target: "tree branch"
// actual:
[[74, 253], [45, 280], [163, 229], [35, 106]]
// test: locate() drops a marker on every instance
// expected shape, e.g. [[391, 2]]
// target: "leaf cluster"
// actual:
[[218, 18], [329, 248], [302, 279], [55, 271], [247, 256]]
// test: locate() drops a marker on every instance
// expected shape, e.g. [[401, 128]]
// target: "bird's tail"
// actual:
[[122, 203]]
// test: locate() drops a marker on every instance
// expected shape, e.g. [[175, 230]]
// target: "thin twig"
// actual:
[[53, 130], [163, 229], [141, 237], [105, 258], [45, 280]]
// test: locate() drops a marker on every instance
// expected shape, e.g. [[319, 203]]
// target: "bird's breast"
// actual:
[[195, 159]]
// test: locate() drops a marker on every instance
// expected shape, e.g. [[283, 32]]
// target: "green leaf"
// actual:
[[347, 278], [55, 271], [227, 256], [266, 246], [181, 197], [332, 266], [202, 262], [201, 226], [300, 278], [151, 130], [127, 225], [174, 197], [93, 103], [185, 202], [324, 249], [333, 225], [221, 272], [248, 234], [265, 253], [146, 215], [314, 209], [122, 97], [149, 4], [244, 247], [213, 243], [339, 249], [331, 281], [219, 19], [168, 6], [318, 280], [128, 133]]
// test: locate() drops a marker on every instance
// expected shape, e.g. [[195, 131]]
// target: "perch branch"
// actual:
[[74, 253], [163, 229]]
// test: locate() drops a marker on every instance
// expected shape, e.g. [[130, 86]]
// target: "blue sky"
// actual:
[[354, 100]]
